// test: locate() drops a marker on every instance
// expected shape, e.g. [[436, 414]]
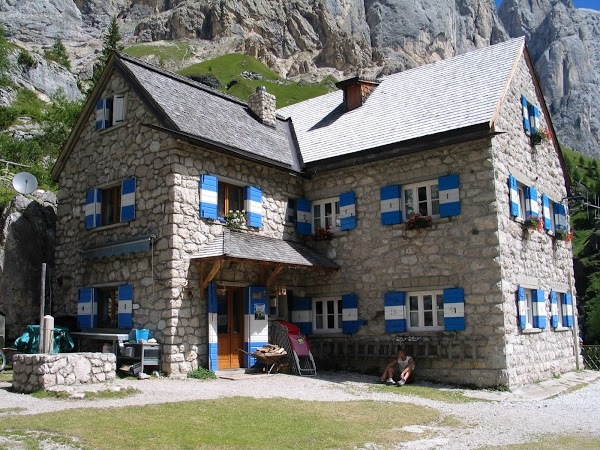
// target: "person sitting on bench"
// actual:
[[400, 370]]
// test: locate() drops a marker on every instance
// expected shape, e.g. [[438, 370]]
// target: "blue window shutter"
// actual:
[[449, 196], [209, 188], [394, 304], [87, 308], [302, 314], [539, 309], [102, 114], [125, 316], [303, 217], [522, 308], [514, 196], [546, 212], [391, 213], [350, 321], [118, 108], [93, 208], [347, 211], [253, 205], [454, 309], [525, 108], [534, 118], [128, 199], [553, 310], [213, 345], [560, 217], [567, 305], [531, 200]]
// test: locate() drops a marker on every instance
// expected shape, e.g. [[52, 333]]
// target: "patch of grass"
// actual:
[[27, 103], [202, 374], [227, 69], [175, 51], [451, 422], [7, 374], [439, 394], [50, 394], [553, 441], [106, 394], [10, 410], [233, 423]]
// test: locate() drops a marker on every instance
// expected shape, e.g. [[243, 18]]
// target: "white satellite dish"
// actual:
[[24, 183]]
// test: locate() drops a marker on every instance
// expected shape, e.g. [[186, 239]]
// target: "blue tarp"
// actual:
[[29, 341]]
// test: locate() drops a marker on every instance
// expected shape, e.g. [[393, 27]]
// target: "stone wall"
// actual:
[[532, 260], [37, 372]]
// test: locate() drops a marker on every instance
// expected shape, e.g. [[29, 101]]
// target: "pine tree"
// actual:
[[59, 54], [111, 44]]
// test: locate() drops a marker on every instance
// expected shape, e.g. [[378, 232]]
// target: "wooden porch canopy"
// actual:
[[269, 253]]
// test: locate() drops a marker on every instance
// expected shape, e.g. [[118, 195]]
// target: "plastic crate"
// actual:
[[136, 335]]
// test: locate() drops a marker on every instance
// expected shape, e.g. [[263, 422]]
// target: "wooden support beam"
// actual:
[[213, 273], [276, 271]]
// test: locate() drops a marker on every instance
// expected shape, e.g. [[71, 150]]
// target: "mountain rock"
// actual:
[[27, 240], [564, 43]]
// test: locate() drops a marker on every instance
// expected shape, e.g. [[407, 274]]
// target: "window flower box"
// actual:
[[533, 223], [236, 220], [539, 136], [322, 234], [417, 222], [566, 236]]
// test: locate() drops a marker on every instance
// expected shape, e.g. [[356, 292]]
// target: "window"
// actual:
[[110, 111], [230, 198], [218, 197], [291, 211], [110, 204], [426, 310], [327, 315], [531, 116], [559, 311], [524, 201], [107, 307], [422, 198], [326, 214], [529, 308]]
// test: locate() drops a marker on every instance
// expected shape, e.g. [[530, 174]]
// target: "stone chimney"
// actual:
[[262, 104], [356, 91]]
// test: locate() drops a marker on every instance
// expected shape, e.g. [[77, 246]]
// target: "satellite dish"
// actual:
[[24, 183]]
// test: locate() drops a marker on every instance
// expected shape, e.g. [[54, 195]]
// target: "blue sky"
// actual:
[[593, 4]]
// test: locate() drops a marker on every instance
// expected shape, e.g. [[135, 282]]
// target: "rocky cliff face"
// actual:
[[299, 37], [564, 43], [26, 241]]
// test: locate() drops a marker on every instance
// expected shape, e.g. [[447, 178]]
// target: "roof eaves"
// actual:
[[209, 144], [451, 137]]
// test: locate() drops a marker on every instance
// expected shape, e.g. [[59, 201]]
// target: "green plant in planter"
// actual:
[[566, 236]]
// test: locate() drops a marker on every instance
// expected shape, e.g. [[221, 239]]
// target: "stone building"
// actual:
[[425, 210]]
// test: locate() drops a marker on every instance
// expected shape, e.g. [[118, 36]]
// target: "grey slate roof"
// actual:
[[207, 114], [233, 244], [447, 95]]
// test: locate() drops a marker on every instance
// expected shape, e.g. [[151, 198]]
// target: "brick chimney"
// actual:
[[356, 91], [262, 104]]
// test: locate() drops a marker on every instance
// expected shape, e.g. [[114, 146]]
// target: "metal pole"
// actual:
[[42, 306]]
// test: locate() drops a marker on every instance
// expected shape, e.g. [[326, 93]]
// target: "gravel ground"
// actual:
[[505, 420]]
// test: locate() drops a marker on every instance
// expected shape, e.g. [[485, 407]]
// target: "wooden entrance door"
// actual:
[[230, 327]]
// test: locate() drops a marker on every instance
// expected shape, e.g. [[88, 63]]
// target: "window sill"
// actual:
[[112, 127], [532, 330], [111, 226], [562, 329], [326, 332]]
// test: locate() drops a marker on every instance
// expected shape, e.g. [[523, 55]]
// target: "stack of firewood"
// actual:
[[271, 350]]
